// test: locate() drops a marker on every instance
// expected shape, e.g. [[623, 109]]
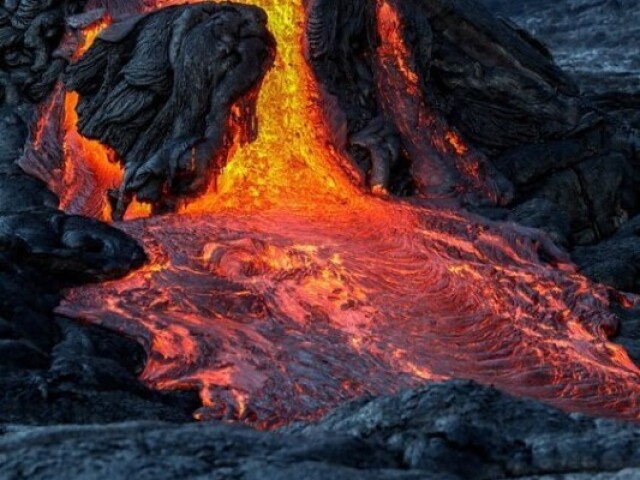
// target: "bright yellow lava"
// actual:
[[293, 163]]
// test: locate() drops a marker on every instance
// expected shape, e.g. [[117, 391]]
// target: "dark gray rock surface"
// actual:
[[51, 371], [596, 41], [455, 430], [30, 32], [532, 137]]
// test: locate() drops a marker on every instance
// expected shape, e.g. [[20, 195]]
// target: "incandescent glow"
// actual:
[[90, 169], [277, 317], [293, 162], [287, 290]]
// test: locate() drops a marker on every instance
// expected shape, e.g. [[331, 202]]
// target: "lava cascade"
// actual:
[[289, 290]]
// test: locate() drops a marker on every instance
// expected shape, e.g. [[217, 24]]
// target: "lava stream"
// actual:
[[277, 317], [288, 290]]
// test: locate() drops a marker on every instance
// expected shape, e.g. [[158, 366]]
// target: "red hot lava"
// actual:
[[289, 291]]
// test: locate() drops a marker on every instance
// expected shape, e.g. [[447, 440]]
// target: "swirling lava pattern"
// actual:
[[289, 291], [278, 317]]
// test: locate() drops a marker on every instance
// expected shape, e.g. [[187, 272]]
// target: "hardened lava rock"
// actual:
[[450, 431], [159, 90], [29, 34], [519, 116]]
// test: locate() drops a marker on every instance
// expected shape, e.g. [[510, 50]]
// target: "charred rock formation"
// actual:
[[52, 371], [594, 42], [521, 115], [391, 121], [159, 90]]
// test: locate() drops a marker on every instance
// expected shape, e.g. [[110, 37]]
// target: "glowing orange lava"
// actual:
[[288, 290], [292, 158], [277, 317], [89, 168], [98, 166], [443, 165], [293, 163]]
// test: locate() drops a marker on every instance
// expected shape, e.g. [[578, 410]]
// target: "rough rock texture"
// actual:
[[575, 178], [615, 261], [595, 41], [52, 371], [499, 88], [388, 117], [448, 431], [159, 90], [30, 31]]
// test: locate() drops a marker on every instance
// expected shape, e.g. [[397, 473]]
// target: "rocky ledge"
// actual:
[[449, 431], [593, 40]]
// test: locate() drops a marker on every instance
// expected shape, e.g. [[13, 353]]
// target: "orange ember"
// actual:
[[97, 165], [91, 169], [90, 34], [287, 290], [393, 48], [276, 317]]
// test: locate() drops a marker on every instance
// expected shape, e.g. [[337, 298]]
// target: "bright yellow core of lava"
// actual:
[[293, 163]]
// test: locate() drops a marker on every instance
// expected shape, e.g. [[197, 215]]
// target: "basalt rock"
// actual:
[[592, 40], [159, 89], [474, 73], [51, 371], [573, 168], [451, 431], [383, 103]]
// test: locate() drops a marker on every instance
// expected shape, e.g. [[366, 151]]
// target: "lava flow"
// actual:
[[89, 169], [289, 291]]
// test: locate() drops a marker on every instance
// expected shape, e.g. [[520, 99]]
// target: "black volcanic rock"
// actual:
[[454, 430], [30, 31], [595, 41], [89, 376], [51, 371], [616, 261], [500, 88], [159, 89]]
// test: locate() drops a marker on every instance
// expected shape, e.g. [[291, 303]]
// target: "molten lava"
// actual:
[[443, 165], [288, 290], [89, 169], [293, 162]]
